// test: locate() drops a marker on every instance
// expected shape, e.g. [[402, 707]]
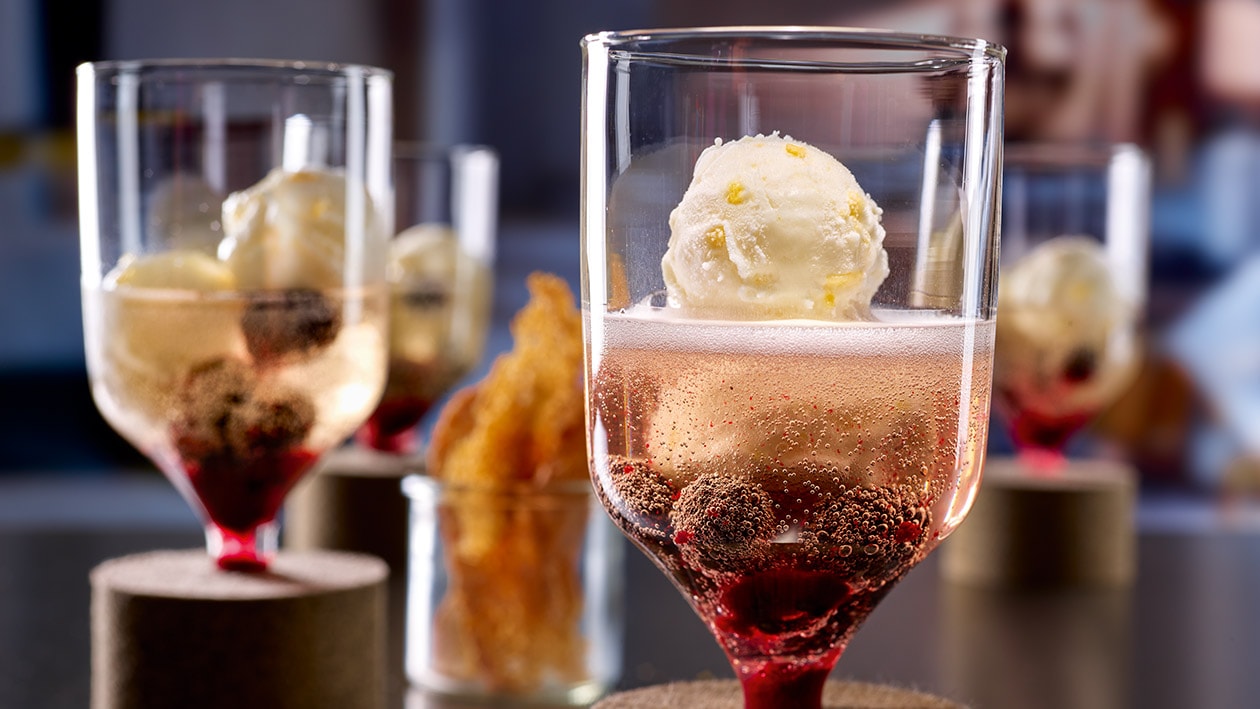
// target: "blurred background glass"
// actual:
[[1075, 228], [441, 276], [1175, 77]]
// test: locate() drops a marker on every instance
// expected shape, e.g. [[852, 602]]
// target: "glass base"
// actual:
[[243, 551], [1042, 461], [434, 691]]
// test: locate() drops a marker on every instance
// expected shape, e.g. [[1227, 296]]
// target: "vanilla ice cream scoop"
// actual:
[[441, 304], [773, 228], [1066, 335], [425, 254], [289, 230], [163, 314]]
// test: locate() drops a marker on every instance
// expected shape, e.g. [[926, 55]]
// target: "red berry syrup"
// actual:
[[773, 684], [239, 495], [392, 426]]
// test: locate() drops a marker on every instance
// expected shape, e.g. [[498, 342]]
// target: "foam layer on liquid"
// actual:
[[891, 333]]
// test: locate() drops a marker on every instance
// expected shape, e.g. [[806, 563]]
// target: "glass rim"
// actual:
[[865, 37], [325, 69]]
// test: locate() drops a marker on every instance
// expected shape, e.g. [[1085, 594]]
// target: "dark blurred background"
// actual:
[[1180, 78]]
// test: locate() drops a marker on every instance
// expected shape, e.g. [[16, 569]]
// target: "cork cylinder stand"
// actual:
[[726, 694], [169, 629], [1072, 528], [355, 503]]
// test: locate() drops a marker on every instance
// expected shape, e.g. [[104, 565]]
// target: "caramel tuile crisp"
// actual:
[[524, 421], [511, 618]]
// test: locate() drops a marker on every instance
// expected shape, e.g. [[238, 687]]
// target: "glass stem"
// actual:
[[402, 442], [772, 684], [251, 550]]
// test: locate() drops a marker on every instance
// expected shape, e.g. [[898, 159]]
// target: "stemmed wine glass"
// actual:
[[234, 216], [1075, 233], [789, 249], [440, 280]]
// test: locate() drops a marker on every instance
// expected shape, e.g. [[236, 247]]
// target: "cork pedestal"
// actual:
[[169, 629], [1070, 529], [1038, 649], [726, 694], [355, 503]]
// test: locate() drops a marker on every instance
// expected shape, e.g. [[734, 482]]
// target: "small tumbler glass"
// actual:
[[513, 594]]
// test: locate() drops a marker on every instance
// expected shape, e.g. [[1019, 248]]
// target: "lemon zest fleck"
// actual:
[[715, 237]]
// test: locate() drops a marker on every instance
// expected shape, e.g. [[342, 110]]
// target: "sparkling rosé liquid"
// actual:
[[235, 396], [785, 476]]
